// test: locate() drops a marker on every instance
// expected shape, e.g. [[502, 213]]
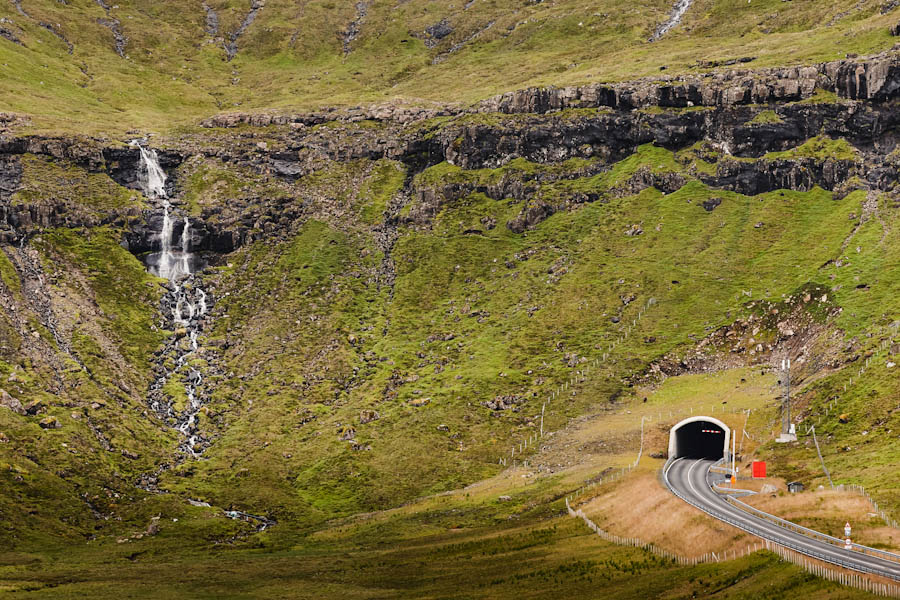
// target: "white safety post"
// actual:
[[733, 464]]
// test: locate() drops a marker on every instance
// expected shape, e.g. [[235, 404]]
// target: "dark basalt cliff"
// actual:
[[603, 124]]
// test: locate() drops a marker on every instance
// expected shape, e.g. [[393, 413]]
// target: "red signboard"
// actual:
[[759, 469]]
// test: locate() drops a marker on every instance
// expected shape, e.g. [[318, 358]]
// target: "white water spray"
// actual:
[[151, 174]]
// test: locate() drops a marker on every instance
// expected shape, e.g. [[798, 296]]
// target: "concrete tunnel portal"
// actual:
[[700, 437]]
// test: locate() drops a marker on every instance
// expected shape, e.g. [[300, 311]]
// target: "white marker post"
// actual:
[[848, 545], [733, 462]]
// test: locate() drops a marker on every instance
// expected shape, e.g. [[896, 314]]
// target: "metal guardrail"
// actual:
[[786, 544], [731, 490], [812, 533]]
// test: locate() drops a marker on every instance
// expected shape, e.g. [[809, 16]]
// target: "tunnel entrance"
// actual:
[[699, 437]]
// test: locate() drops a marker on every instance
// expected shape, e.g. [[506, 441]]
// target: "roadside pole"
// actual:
[[733, 462]]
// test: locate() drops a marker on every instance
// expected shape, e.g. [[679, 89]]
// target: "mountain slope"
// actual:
[[92, 66], [403, 294]]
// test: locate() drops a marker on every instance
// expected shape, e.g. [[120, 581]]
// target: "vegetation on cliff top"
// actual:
[[174, 68]]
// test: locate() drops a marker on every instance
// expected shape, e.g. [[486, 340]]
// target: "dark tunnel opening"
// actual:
[[700, 439]]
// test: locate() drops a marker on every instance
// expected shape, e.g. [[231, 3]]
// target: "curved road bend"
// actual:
[[689, 479]]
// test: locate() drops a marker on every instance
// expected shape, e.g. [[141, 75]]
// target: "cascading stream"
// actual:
[[186, 304], [678, 11]]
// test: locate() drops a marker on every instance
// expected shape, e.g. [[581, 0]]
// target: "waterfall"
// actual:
[[151, 174], [172, 262], [186, 304], [164, 266], [185, 265]]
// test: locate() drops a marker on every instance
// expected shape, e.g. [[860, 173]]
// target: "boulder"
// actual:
[[153, 527], [437, 32], [50, 422], [367, 416], [34, 407], [711, 204], [11, 403]]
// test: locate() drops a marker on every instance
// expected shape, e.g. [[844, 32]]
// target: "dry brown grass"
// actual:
[[638, 506]]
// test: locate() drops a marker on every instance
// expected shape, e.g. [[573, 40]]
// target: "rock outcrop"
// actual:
[[873, 78], [721, 109]]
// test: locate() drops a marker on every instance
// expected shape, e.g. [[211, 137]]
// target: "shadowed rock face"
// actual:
[[10, 176]]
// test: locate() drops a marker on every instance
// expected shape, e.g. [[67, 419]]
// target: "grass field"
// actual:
[[296, 56]]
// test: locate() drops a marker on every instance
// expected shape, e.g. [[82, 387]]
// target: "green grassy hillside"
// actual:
[[394, 301], [174, 67]]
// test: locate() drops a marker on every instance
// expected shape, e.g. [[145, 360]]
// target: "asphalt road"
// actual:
[[690, 479]]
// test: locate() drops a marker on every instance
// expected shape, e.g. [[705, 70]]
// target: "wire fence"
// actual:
[[858, 489], [883, 346], [578, 377], [856, 580], [811, 566], [662, 552]]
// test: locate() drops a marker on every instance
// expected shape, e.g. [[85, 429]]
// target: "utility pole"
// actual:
[[786, 411], [786, 434]]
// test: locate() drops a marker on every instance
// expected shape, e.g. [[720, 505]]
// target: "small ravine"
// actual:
[[681, 7], [185, 307]]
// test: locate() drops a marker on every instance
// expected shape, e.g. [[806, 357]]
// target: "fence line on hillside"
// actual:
[[858, 489], [852, 487], [860, 371], [578, 377], [855, 580], [883, 346], [661, 552]]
